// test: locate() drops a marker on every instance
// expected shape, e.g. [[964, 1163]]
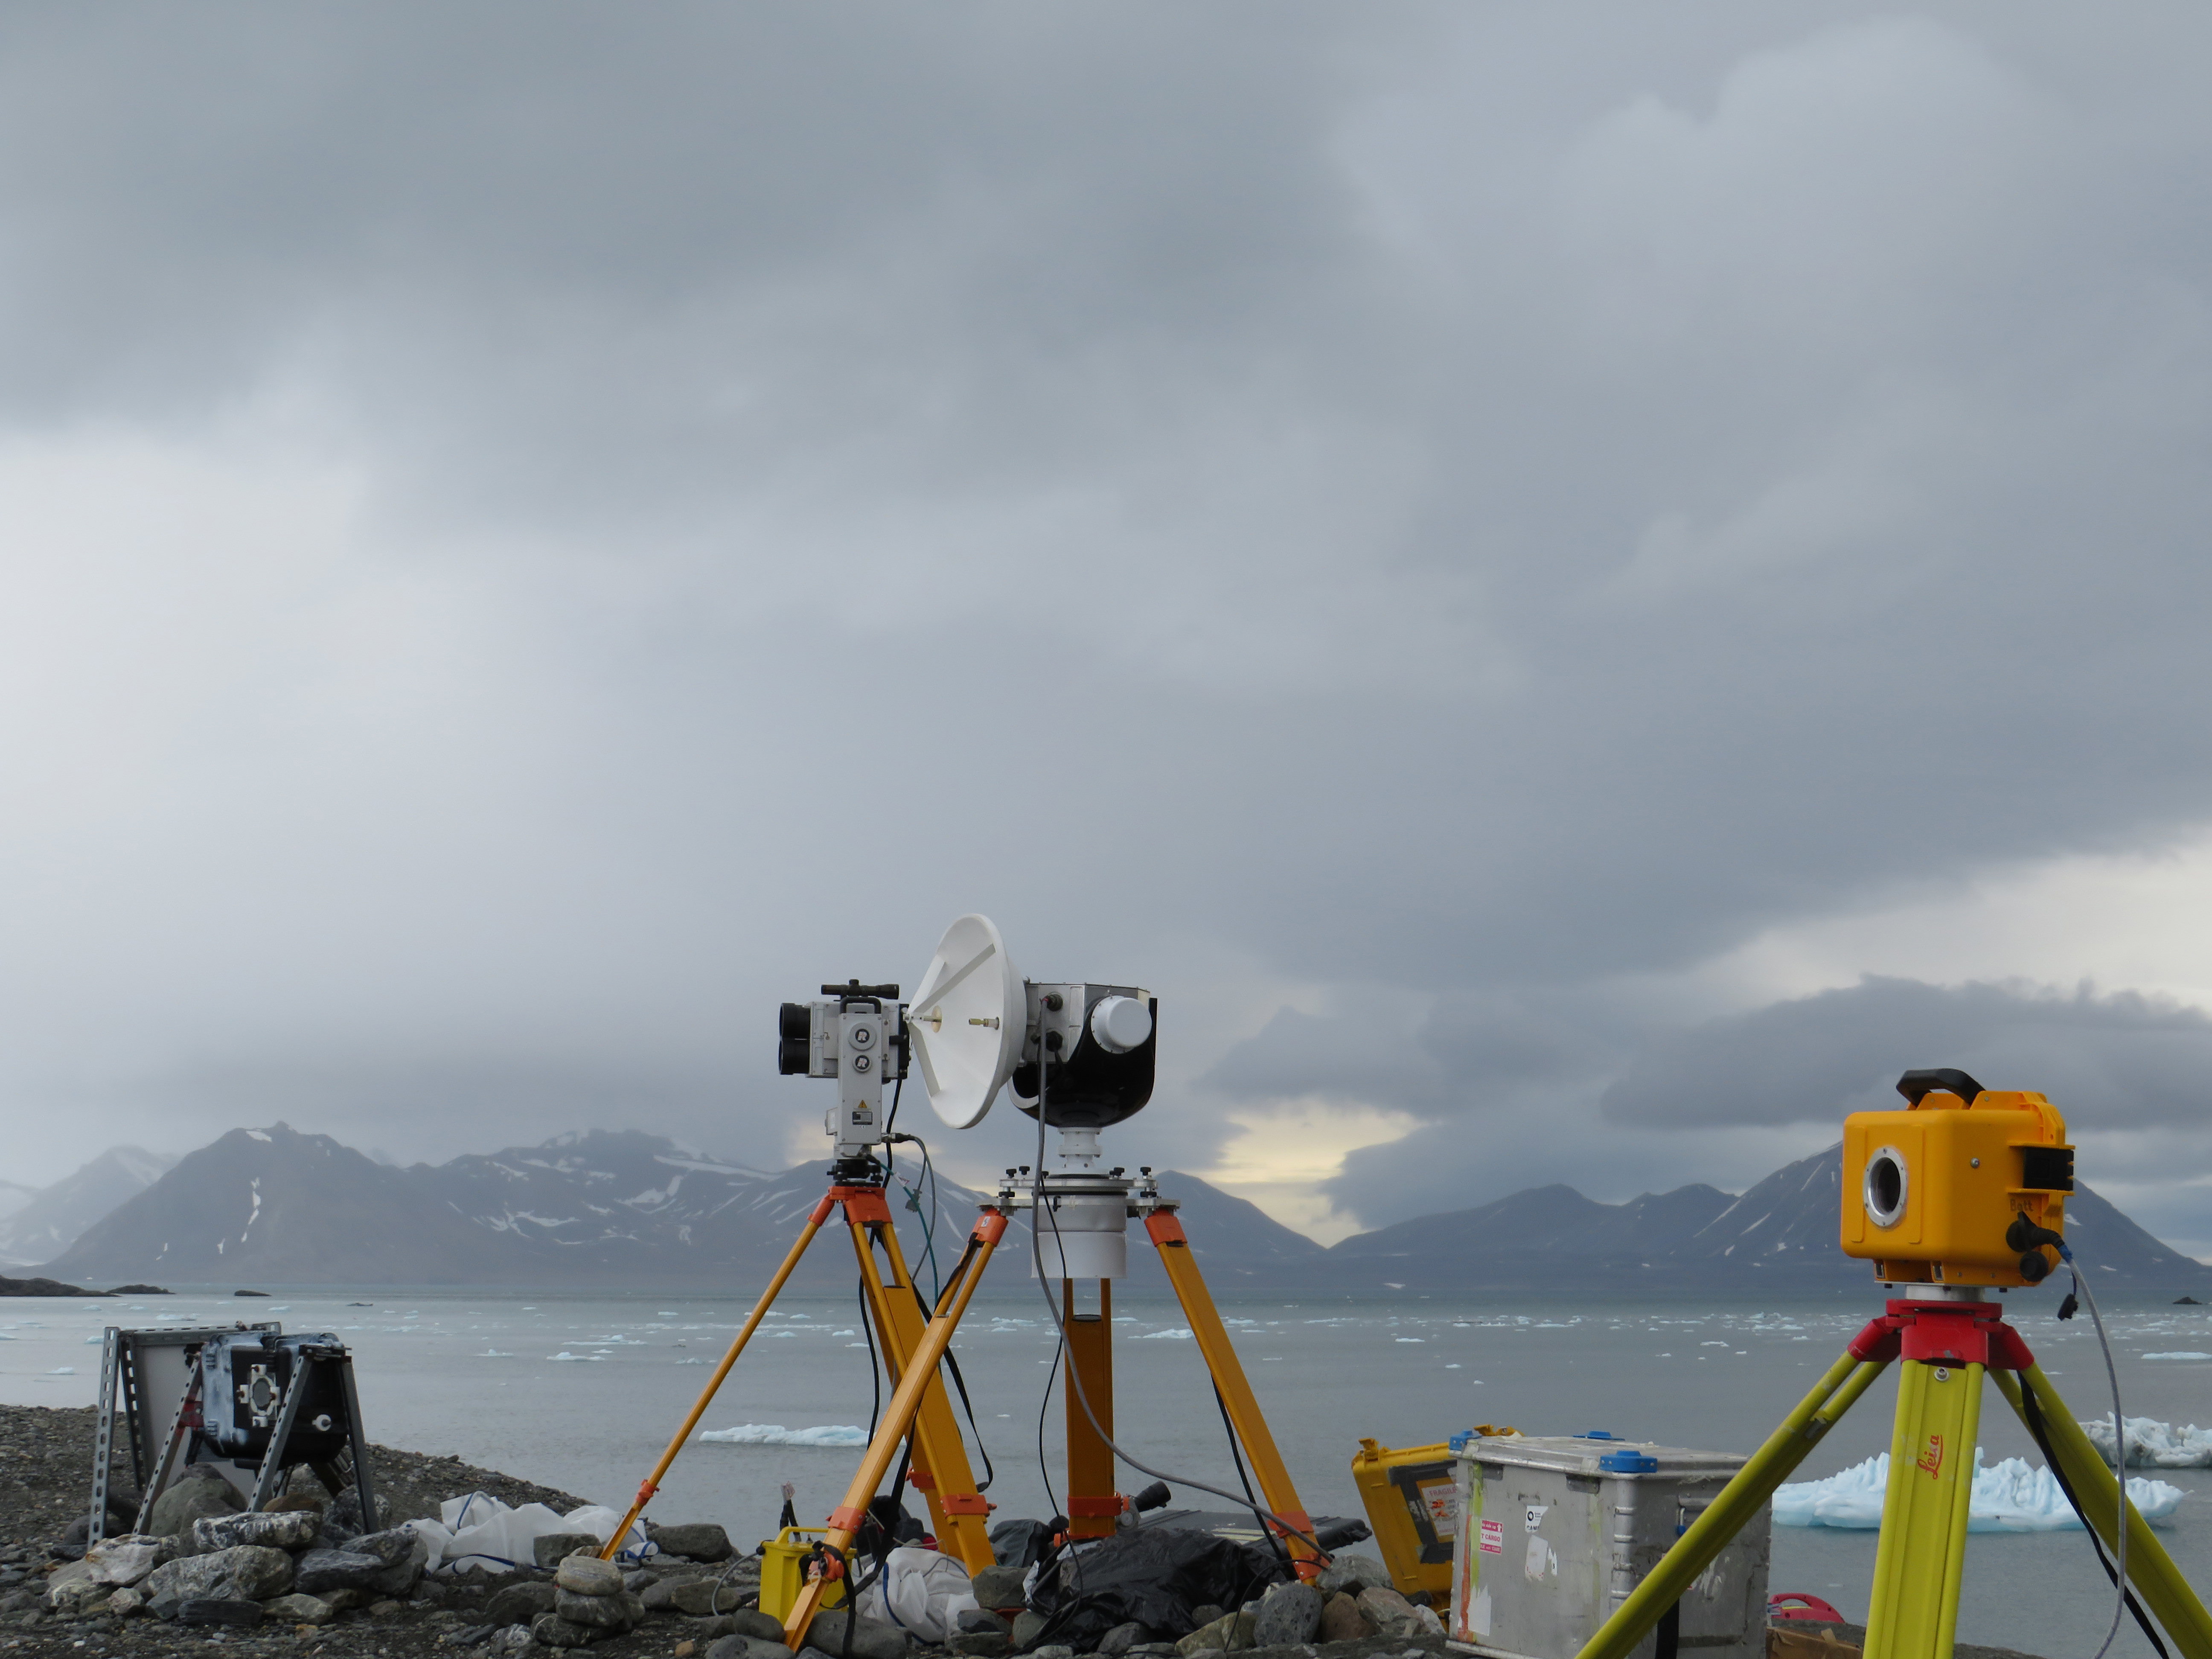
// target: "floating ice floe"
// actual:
[[2010, 1496], [494, 1353], [775, 1434], [1155, 1336], [63, 1370], [2153, 1444], [2183, 1354], [576, 1358]]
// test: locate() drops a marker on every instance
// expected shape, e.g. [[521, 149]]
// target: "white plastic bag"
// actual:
[[483, 1530], [921, 1592]]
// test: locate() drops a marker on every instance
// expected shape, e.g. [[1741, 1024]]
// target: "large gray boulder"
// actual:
[[518, 1604], [196, 1491], [1392, 1614], [700, 1540], [128, 1558], [702, 1598], [1287, 1616], [297, 1609], [1352, 1574], [998, 1586], [322, 1571], [72, 1589], [1231, 1633], [587, 1574], [552, 1631], [1341, 1620], [401, 1577], [607, 1613], [871, 1639], [286, 1530], [244, 1572], [550, 1549]]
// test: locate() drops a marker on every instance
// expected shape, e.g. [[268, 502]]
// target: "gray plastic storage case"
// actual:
[[1556, 1530]]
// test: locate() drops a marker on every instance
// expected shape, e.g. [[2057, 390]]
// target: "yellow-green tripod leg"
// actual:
[[1736, 1504], [2150, 1569], [1922, 1554]]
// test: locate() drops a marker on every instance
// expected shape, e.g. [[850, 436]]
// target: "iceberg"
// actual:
[[2012, 1496], [775, 1434], [2153, 1444]]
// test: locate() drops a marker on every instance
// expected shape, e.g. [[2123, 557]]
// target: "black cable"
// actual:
[[1044, 1468], [875, 1370], [1075, 1376], [1236, 1457], [928, 1209], [960, 1386], [2031, 1409]]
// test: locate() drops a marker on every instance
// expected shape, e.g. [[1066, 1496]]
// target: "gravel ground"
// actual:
[[45, 1478], [46, 1475]]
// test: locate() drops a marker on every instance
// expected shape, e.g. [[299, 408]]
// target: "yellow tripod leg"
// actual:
[[1735, 1505], [2164, 1591], [652, 1482], [897, 1418], [1276, 1489], [938, 1468], [1922, 1553]]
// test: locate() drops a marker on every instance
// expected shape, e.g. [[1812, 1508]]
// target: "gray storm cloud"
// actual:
[[1418, 506], [2120, 1061]]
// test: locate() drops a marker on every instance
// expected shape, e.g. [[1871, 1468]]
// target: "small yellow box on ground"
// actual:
[[783, 1570], [1411, 1504]]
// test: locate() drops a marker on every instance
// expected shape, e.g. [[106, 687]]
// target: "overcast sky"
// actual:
[[1575, 588]]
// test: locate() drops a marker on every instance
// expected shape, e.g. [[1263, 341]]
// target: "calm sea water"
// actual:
[[475, 1374]]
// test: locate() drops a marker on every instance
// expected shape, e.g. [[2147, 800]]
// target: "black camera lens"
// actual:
[[794, 1021], [791, 1057]]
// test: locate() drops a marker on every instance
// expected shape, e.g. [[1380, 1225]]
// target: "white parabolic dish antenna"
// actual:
[[968, 1021]]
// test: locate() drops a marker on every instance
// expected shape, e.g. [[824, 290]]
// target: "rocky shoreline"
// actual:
[[307, 1580]]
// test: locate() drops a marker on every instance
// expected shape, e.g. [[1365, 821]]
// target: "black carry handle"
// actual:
[[1949, 1079]]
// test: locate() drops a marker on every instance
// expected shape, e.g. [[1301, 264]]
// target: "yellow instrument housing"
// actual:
[[1929, 1192]]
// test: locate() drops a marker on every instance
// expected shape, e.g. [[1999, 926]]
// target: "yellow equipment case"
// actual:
[[783, 1570], [1411, 1502]]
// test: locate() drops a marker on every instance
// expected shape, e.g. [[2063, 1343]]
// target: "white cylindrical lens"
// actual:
[[1121, 1024]]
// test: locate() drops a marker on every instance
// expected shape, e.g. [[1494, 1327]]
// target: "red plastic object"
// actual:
[[1792, 1604]]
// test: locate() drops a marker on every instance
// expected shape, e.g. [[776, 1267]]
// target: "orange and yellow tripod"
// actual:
[[913, 1347]]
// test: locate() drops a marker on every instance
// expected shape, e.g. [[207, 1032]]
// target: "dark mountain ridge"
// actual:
[[607, 1208], [623, 1208], [1780, 1232]]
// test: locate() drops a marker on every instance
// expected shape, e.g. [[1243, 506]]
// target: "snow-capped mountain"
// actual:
[[622, 1208], [273, 1206], [1781, 1232], [37, 1223]]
